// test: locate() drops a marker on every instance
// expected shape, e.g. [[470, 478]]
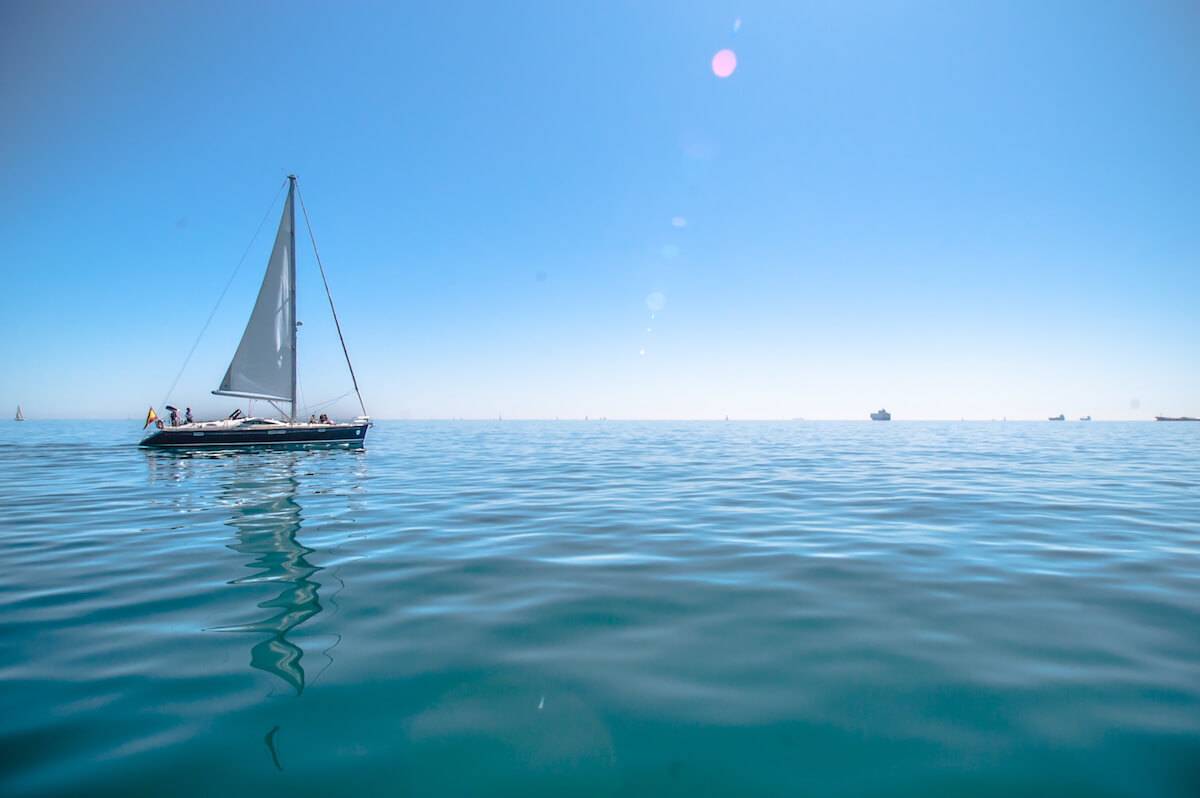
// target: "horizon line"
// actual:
[[588, 419]]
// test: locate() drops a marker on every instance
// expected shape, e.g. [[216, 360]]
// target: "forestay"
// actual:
[[264, 366]]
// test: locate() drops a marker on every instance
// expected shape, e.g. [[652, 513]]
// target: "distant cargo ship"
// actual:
[[1085, 418], [1175, 418], [881, 415], [1059, 417]]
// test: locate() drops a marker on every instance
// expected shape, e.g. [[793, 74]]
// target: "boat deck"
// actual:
[[256, 432]]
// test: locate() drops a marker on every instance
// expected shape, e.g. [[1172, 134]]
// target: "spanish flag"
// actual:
[[151, 417]]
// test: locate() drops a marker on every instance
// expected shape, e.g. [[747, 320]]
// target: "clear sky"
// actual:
[[551, 209]]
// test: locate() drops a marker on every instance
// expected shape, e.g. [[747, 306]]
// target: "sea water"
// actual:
[[604, 608]]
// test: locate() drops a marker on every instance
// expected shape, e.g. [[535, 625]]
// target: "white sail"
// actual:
[[19, 416], [264, 366]]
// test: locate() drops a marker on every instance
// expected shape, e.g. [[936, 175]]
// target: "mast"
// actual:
[[292, 285]]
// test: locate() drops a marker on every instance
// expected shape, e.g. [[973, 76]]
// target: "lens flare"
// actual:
[[698, 145], [678, 221], [724, 63]]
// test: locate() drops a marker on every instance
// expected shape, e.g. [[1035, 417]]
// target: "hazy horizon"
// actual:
[[598, 419]]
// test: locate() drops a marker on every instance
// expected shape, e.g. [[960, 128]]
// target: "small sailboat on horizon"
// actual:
[[20, 415], [264, 367]]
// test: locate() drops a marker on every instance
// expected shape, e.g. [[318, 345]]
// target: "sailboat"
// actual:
[[264, 367], [19, 417]]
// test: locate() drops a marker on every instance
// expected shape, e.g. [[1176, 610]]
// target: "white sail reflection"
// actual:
[[267, 518]]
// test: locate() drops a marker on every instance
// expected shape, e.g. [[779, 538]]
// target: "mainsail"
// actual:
[[19, 416], [264, 366]]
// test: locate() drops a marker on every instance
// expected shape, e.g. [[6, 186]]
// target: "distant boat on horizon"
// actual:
[[881, 415], [1175, 418], [1059, 417], [264, 367], [20, 416], [1085, 418]]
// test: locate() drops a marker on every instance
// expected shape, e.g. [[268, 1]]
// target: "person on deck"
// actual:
[[312, 419], [187, 416], [174, 417], [324, 419]]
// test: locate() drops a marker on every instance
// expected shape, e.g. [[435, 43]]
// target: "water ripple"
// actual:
[[605, 608]]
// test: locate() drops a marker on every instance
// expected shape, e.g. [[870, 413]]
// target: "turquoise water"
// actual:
[[605, 608]]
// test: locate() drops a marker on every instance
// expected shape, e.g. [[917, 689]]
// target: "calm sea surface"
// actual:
[[605, 608]]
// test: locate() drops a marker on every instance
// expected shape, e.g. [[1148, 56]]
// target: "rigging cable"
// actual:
[[327, 402], [224, 291], [329, 294]]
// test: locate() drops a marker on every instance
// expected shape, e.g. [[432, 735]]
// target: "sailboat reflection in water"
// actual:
[[267, 519]]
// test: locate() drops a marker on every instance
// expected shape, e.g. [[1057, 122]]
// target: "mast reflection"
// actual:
[[267, 518]]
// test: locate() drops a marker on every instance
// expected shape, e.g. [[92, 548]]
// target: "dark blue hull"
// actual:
[[301, 435]]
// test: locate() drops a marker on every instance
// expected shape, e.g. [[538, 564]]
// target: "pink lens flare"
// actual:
[[724, 63]]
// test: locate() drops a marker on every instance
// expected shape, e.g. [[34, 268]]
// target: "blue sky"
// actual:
[[949, 209]]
